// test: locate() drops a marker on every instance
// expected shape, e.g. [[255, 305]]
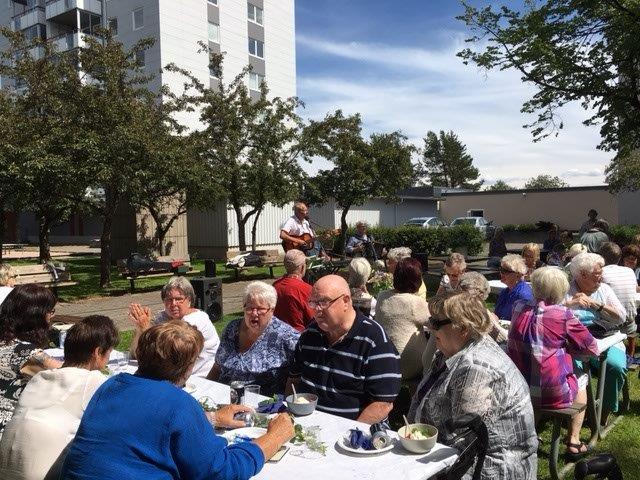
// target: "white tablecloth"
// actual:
[[397, 464], [496, 286]]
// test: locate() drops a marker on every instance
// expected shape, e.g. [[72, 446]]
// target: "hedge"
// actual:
[[434, 241], [623, 234]]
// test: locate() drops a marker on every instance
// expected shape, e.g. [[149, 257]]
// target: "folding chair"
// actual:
[[472, 442]]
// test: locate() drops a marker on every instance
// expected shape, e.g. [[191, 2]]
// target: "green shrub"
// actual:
[[526, 228], [623, 234], [509, 227]]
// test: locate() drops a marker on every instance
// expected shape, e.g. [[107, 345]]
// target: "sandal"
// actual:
[[582, 449]]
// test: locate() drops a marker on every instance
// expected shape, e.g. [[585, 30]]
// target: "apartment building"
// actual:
[[260, 33]]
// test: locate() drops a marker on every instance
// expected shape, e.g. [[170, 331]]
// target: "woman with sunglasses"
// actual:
[[471, 374], [512, 272], [257, 348], [179, 299]]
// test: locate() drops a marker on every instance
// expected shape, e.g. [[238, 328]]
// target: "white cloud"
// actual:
[[416, 90]]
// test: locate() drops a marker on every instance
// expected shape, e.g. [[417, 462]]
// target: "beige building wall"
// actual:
[[565, 207]]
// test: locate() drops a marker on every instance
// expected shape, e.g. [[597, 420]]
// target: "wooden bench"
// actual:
[[124, 272], [45, 276], [7, 247], [564, 415]]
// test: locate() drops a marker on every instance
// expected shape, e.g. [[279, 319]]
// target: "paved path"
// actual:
[[116, 307]]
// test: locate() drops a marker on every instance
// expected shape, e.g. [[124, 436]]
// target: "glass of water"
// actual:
[[252, 395], [123, 360]]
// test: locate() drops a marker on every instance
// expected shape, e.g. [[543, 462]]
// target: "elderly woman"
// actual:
[[531, 256], [631, 258], [178, 297], [8, 276], [454, 267], [543, 338], [52, 404], [593, 301], [359, 273], [471, 374], [403, 316], [512, 272], [25, 318], [397, 254], [257, 348], [146, 426], [475, 283]]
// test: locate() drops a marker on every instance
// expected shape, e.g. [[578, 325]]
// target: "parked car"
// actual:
[[481, 223], [425, 222]]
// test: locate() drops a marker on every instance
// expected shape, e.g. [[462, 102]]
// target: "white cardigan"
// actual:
[[45, 420]]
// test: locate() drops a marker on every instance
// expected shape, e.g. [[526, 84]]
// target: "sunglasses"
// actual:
[[506, 270], [438, 324]]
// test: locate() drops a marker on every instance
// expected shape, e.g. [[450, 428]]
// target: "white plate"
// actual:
[[343, 443], [189, 388], [251, 432]]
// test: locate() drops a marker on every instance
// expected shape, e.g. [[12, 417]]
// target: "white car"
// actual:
[[425, 222], [480, 223]]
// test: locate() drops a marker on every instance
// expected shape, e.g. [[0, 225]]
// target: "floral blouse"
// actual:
[[13, 355], [266, 363], [482, 379]]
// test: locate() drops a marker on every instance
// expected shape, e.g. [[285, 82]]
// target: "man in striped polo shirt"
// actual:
[[345, 358]]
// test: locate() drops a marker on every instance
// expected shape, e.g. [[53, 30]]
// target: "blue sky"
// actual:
[[393, 61]]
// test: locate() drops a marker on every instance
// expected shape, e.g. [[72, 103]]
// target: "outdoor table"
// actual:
[[496, 286], [337, 464]]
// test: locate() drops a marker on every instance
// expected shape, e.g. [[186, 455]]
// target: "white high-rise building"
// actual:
[[260, 33]]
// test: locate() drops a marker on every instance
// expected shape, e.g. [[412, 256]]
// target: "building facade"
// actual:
[[260, 33]]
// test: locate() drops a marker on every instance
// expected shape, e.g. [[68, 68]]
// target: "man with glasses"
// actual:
[[345, 358]]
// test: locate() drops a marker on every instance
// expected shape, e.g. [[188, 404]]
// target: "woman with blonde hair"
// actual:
[[531, 256], [512, 272], [359, 273], [8, 276], [471, 374]]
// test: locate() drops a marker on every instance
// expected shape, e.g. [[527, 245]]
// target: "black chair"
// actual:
[[602, 466], [472, 443]]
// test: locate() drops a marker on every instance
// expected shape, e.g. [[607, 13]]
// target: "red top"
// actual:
[[292, 308]]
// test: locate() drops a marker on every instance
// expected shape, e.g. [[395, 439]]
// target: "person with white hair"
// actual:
[[543, 339], [454, 267], [512, 272], [594, 302], [359, 273], [257, 348], [394, 256], [293, 292], [8, 276], [476, 284], [179, 299]]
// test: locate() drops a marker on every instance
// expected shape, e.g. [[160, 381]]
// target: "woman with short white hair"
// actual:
[[359, 273], [543, 338], [594, 302], [512, 272], [257, 348]]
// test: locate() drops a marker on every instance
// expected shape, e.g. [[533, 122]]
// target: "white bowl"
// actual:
[[418, 446]]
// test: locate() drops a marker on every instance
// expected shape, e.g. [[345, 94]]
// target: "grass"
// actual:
[[86, 271]]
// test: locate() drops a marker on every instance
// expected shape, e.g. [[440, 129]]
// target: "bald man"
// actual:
[[345, 358], [293, 292]]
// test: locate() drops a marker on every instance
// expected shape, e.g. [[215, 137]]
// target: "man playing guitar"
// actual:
[[296, 232]]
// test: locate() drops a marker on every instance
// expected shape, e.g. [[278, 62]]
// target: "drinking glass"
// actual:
[[252, 395], [123, 360]]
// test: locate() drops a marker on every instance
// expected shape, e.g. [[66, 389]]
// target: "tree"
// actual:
[[47, 143], [499, 186], [570, 51], [544, 182], [446, 162], [9, 184], [362, 170]]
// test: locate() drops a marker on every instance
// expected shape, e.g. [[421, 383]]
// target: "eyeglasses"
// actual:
[[259, 311], [506, 270], [178, 300], [438, 324], [323, 304]]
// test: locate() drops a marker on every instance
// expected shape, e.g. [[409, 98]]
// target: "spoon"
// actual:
[[406, 423], [295, 394]]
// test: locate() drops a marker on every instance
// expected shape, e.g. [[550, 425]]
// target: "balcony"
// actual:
[[69, 41], [28, 18], [63, 11]]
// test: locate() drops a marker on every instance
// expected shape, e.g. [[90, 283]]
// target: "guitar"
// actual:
[[305, 237]]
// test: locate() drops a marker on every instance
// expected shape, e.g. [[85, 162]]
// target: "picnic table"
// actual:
[[337, 464]]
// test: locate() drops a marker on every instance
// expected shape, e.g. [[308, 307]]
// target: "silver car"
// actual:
[[480, 223], [425, 222]]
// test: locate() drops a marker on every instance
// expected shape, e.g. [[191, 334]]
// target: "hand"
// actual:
[[580, 300], [300, 242], [140, 316], [281, 427], [224, 416]]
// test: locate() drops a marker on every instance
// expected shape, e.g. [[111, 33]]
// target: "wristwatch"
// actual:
[[600, 307]]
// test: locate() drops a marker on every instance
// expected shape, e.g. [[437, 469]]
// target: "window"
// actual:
[[214, 33], [140, 58], [213, 2], [256, 47], [113, 26], [255, 79], [138, 18], [254, 13]]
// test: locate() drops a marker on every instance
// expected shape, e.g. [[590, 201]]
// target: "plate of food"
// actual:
[[345, 443]]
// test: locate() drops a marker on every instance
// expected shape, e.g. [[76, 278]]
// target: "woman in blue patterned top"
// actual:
[[257, 348]]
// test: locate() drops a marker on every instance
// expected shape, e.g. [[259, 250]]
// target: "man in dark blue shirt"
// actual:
[[345, 358]]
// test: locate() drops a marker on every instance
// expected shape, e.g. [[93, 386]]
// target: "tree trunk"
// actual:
[[161, 230], [254, 229], [342, 238], [111, 203], [44, 228], [242, 222]]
